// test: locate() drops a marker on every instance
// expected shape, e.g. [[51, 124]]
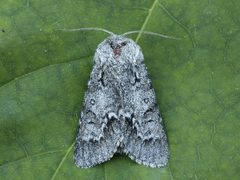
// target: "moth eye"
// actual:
[[123, 43], [92, 102], [146, 100], [111, 45]]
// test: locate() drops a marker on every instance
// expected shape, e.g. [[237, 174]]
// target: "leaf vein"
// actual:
[[63, 159]]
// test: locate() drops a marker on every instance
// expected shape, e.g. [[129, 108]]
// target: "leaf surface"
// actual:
[[44, 73]]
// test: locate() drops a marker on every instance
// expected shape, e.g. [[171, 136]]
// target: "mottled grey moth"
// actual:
[[120, 111]]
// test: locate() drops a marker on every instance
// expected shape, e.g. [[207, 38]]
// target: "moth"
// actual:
[[120, 113]]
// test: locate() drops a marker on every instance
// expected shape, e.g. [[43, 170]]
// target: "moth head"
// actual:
[[117, 46], [118, 49]]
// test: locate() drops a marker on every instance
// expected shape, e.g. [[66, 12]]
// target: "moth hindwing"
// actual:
[[120, 111]]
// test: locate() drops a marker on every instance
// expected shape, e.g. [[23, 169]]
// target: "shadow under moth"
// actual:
[[120, 113]]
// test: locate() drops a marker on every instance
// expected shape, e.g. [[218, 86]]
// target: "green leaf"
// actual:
[[44, 73]]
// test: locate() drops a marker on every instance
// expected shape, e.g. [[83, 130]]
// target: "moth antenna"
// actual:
[[147, 32], [80, 29]]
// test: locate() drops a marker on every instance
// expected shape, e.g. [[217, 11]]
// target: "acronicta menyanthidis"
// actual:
[[120, 111]]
